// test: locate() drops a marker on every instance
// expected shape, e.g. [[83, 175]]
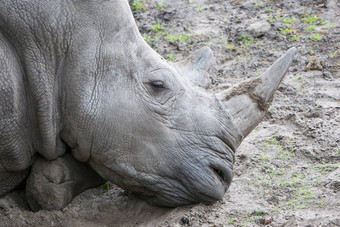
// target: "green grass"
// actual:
[[303, 198], [271, 141], [232, 221], [181, 38], [147, 39], [290, 20], [313, 20], [310, 28], [105, 187], [230, 45], [246, 42], [157, 33], [171, 57], [157, 28], [273, 19], [243, 37], [246, 58], [138, 5], [160, 5], [334, 54], [265, 157], [274, 172], [295, 181], [330, 26], [258, 213], [310, 21], [288, 30], [327, 167], [295, 38], [316, 37], [287, 152], [279, 174], [274, 180]]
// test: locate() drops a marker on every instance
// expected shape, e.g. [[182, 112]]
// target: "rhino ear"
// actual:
[[197, 67], [248, 102]]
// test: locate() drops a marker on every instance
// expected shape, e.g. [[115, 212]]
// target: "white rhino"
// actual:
[[84, 99]]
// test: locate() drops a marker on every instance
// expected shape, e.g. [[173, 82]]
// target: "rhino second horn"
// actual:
[[197, 67], [249, 101]]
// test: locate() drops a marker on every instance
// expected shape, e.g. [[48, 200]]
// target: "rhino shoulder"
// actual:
[[15, 146]]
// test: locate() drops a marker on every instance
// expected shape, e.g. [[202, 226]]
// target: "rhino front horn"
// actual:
[[248, 102]]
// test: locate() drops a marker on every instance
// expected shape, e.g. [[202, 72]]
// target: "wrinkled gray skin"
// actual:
[[76, 77]]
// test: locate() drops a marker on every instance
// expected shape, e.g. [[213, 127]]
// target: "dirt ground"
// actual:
[[287, 171]]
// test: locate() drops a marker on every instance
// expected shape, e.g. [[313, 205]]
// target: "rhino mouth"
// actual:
[[222, 177]]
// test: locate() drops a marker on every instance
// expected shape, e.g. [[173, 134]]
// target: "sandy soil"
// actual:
[[287, 171]]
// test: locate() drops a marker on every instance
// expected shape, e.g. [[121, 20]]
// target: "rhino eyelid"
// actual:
[[157, 84]]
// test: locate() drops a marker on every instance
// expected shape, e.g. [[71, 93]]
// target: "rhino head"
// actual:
[[150, 126], [143, 123]]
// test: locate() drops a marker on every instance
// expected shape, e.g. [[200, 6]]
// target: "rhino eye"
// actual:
[[157, 85]]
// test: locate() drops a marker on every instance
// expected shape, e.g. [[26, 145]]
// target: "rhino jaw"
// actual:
[[249, 101]]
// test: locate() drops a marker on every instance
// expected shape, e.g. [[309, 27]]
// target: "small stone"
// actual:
[[185, 220], [211, 17], [314, 64], [260, 221], [237, 2], [327, 75], [323, 32], [272, 200], [268, 220], [259, 28]]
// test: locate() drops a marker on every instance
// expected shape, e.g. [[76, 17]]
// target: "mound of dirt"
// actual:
[[287, 171]]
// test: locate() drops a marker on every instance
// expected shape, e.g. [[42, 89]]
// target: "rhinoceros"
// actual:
[[84, 100]]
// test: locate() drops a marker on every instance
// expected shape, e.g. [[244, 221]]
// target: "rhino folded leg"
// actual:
[[52, 184]]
